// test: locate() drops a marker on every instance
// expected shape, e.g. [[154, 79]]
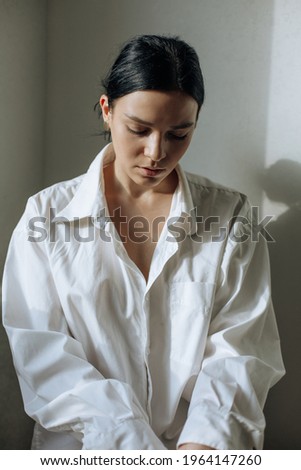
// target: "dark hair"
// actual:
[[152, 62]]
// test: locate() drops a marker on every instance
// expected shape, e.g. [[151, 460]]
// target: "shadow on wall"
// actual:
[[282, 183]]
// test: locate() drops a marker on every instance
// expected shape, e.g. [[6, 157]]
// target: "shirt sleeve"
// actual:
[[61, 390], [242, 358]]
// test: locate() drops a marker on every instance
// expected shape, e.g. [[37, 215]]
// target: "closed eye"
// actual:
[[178, 137], [136, 132], [143, 132]]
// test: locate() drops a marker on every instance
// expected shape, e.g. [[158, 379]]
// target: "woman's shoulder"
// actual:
[[199, 183], [55, 196], [204, 183], [215, 197]]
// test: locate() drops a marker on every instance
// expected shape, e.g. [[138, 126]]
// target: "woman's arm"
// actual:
[[242, 359]]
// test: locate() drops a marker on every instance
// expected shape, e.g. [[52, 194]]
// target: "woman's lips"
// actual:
[[146, 171]]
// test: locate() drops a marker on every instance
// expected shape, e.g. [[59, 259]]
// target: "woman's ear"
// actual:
[[105, 109]]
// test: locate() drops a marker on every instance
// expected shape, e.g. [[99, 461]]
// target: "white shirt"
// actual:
[[107, 360]]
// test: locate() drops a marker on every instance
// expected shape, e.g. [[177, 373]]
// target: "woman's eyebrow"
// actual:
[[184, 125], [137, 119]]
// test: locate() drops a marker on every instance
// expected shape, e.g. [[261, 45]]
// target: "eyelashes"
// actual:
[[132, 131], [145, 132], [178, 137]]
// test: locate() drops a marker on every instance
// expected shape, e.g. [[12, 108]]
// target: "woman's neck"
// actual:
[[125, 188]]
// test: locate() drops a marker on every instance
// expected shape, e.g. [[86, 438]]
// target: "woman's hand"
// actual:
[[194, 446]]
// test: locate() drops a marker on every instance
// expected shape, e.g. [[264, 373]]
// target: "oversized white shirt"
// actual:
[[106, 360]]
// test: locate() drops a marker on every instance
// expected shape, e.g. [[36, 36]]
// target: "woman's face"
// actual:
[[151, 130]]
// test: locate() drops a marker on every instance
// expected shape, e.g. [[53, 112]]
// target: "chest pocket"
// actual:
[[190, 308]]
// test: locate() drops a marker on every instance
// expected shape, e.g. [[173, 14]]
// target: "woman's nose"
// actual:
[[155, 149]]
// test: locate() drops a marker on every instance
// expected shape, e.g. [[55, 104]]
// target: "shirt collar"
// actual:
[[89, 199], [182, 212]]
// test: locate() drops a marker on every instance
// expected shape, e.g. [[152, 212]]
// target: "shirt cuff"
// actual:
[[133, 434], [212, 428]]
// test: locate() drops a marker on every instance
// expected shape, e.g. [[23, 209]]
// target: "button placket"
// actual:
[[145, 306]]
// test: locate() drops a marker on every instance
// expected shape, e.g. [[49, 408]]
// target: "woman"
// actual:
[[136, 302]]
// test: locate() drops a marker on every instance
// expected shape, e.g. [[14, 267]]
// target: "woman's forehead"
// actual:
[[148, 106]]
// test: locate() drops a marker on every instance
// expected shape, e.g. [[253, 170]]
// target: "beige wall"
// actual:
[[22, 109], [283, 177], [250, 55], [22, 160], [283, 137]]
